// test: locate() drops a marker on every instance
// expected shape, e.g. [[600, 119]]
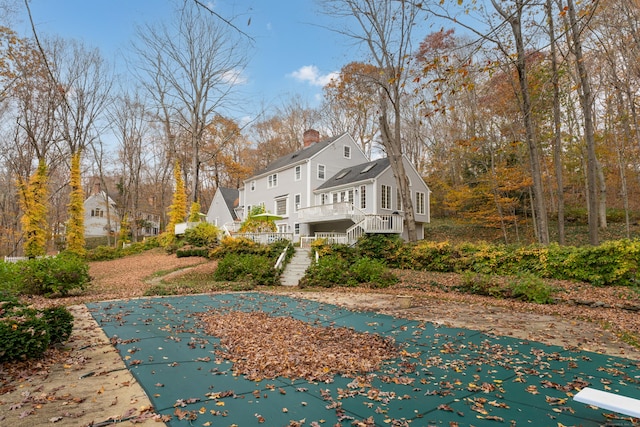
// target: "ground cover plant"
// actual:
[[613, 263]]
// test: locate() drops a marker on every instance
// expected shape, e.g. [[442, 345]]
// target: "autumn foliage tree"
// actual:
[[178, 209], [33, 201], [75, 208]]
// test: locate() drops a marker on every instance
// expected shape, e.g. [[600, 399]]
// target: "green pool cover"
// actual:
[[440, 377]]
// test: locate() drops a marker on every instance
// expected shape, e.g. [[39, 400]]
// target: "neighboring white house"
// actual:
[[96, 221], [329, 188], [222, 211]]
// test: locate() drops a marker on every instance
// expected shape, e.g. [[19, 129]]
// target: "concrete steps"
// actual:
[[296, 268]]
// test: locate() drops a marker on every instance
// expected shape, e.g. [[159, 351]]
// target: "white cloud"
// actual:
[[311, 74], [234, 78]]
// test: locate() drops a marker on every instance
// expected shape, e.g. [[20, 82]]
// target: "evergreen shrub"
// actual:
[[26, 333], [53, 276]]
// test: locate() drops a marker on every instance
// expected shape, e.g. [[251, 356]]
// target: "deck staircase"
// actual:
[[296, 267]]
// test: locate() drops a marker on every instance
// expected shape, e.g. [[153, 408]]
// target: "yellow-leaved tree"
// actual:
[[194, 213], [125, 231], [178, 208], [33, 197], [75, 208]]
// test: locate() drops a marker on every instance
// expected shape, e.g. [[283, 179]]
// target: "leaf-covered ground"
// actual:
[[595, 319], [262, 346]]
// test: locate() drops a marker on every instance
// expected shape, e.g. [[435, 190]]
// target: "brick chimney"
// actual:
[[310, 137]]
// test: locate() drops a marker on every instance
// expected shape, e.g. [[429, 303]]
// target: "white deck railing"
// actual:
[[265, 238]]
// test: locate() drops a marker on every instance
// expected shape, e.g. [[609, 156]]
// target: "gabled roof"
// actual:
[[230, 197], [297, 157], [361, 172]]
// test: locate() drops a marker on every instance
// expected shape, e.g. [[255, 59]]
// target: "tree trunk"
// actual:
[[541, 220], [586, 102], [557, 138], [394, 152]]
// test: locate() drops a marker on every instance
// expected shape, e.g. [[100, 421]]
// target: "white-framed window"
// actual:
[[420, 203], [385, 196], [363, 197], [296, 228], [321, 172], [350, 196], [346, 152], [248, 211], [298, 173], [282, 228], [297, 200], [323, 199], [334, 197], [252, 185], [272, 180], [398, 200], [281, 206]]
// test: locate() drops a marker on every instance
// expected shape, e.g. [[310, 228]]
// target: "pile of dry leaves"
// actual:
[[263, 346]]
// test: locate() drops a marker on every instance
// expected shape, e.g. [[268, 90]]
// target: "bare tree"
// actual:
[[385, 27], [128, 118], [190, 69]]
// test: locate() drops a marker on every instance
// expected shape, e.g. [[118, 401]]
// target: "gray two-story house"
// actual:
[[330, 189]]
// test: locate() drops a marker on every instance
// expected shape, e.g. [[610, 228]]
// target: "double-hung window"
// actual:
[[272, 181], [346, 152], [420, 203], [321, 172], [385, 196], [298, 173], [297, 199]]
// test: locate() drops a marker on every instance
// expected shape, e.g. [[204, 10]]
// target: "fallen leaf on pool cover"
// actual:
[[262, 346]]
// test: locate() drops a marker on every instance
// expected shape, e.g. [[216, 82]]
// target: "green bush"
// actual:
[[51, 276], [386, 247], [103, 253], [234, 245], [23, 335], [26, 333], [202, 235], [9, 283], [480, 284], [529, 288], [59, 323], [371, 271], [189, 251], [257, 269], [329, 271]]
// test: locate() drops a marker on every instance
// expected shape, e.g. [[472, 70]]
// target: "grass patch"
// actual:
[[195, 282]]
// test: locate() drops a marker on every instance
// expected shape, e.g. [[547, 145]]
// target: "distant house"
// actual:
[[98, 219], [329, 189]]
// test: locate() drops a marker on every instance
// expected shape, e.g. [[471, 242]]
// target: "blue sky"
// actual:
[[293, 55]]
